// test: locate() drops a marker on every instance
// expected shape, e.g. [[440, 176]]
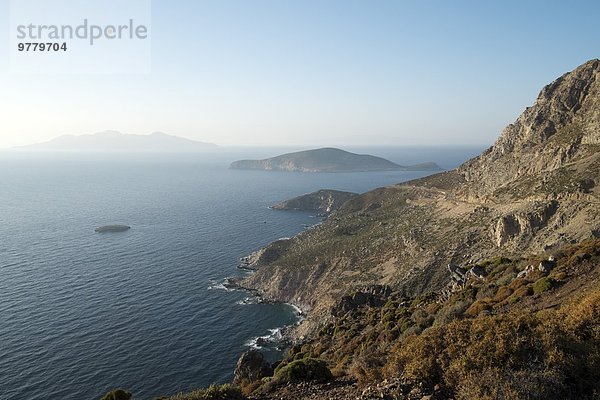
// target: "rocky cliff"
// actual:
[[323, 201], [534, 190], [562, 127]]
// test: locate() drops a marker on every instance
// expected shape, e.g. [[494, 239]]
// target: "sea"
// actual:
[[82, 313]]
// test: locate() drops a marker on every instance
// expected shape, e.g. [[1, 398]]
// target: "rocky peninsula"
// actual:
[[323, 202]]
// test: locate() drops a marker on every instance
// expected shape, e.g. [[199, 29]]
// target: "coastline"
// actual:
[[282, 337]]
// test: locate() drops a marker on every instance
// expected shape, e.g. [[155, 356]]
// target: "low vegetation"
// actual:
[[499, 337], [303, 370], [512, 356], [117, 394], [519, 332], [213, 392]]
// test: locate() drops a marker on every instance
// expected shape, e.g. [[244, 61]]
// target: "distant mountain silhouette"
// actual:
[[116, 141], [327, 160]]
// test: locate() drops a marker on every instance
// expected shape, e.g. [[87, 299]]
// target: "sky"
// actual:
[[315, 72]]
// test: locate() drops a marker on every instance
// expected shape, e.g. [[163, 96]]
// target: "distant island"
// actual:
[[112, 228], [323, 201], [113, 141], [328, 160]]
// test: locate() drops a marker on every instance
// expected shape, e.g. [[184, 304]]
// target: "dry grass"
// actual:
[[549, 354]]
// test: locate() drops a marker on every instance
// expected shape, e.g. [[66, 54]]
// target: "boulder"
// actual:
[[251, 366], [547, 265], [117, 394], [506, 228], [371, 295], [526, 271], [478, 272], [457, 274]]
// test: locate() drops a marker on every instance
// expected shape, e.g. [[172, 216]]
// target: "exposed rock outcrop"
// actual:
[[265, 255], [560, 127], [251, 366], [324, 202], [374, 296], [547, 265], [525, 222]]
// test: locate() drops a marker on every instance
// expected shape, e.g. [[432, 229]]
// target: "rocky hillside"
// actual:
[[328, 160], [477, 283], [522, 328], [534, 190], [323, 202]]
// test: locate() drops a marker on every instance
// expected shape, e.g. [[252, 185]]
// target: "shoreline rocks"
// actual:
[[250, 367]]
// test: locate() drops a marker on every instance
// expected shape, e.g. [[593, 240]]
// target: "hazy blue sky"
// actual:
[[316, 72]]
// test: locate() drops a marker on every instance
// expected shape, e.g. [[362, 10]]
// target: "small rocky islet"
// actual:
[[112, 228]]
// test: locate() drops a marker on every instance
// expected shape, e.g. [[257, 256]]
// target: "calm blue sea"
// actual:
[[82, 313]]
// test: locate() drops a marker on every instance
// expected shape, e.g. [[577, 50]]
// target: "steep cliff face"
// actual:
[[562, 126], [322, 201], [534, 190]]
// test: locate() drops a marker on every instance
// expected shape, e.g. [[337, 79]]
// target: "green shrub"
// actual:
[[543, 285], [451, 312], [496, 383], [411, 331], [422, 319], [295, 349], [486, 291], [478, 307], [367, 368], [505, 279], [299, 356], [117, 394], [307, 369], [495, 262], [213, 392], [544, 355], [582, 319]]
